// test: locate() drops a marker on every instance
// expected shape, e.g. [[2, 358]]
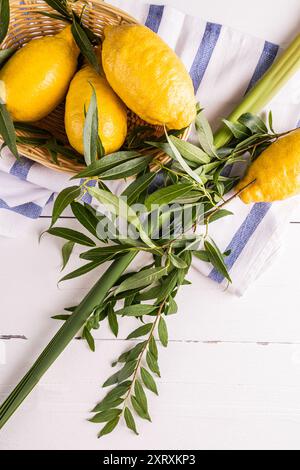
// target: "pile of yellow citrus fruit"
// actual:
[[141, 73]]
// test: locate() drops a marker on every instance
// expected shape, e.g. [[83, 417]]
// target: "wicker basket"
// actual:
[[25, 25]]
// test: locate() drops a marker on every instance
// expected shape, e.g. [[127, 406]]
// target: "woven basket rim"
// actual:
[[66, 164]]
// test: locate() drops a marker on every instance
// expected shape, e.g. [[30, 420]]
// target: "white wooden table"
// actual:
[[231, 375]]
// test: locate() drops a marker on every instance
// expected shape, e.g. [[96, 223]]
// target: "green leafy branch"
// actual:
[[84, 37], [135, 393], [193, 179], [141, 361]]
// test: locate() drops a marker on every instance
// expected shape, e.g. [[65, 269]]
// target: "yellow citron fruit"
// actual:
[[276, 172], [112, 113], [35, 80], [148, 76]]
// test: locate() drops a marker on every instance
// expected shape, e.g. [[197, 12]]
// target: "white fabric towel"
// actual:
[[223, 64]]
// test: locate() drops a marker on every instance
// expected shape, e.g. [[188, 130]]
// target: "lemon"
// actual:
[[36, 78], [148, 76], [276, 172], [111, 110]]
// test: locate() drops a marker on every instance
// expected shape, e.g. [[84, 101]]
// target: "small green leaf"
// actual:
[[113, 323], [168, 286], [182, 162], [93, 323], [21, 126], [205, 134], [254, 123], [130, 420], [89, 338], [72, 235], [149, 294], [219, 214], [99, 259], [153, 348], [119, 390], [202, 255], [246, 143], [71, 309], [190, 152], [127, 169], [129, 299], [142, 279], [137, 310], [167, 195], [112, 397], [209, 168], [108, 404], [152, 363], [66, 253], [172, 308], [85, 217], [217, 259], [34, 141], [7, 130], [139, 410], [61, 317], [141, 331], [163, 332], [105, 416], [133, 353], [109, 427], [270, 120], [5, 54], [122, 375], [53, 147], [140, 396], [100, 166], [178, 262], [105, 252], [164, 146], [54, 16], [148, 381], [90, 132], [60, 6], [64, 198], [85, 45], [5, 17], [81, 271], [238, 130], [135, 189]]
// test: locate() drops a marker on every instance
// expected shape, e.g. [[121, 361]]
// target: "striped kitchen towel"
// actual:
[[224, 64]]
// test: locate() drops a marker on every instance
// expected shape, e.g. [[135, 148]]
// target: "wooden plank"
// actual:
[[269, 311], [211, 396]]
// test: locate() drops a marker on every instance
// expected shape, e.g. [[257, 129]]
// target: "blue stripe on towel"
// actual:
[[241, 238], [87, 198], [21, 168], [266, 60], [29, 210], [204, 53], [258, 211], [154, 17]]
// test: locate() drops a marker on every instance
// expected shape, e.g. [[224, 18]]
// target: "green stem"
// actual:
[[271, 83], [63, 337]]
